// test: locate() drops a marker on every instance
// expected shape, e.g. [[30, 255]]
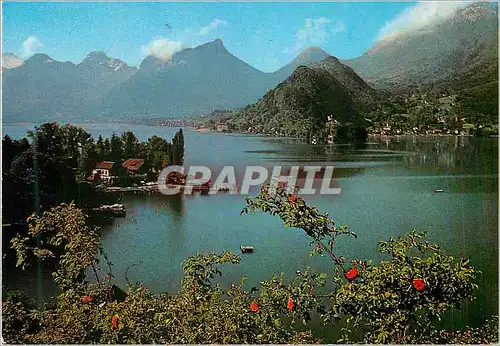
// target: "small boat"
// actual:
[[438, 190], [246, 248], [117, 210]]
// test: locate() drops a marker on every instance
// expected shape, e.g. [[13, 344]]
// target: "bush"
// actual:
[[395, 301]]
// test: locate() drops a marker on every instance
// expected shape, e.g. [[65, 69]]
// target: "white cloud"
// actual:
[[418, 16], [315, 31], [30, 46], [214, 25], [162, 48]]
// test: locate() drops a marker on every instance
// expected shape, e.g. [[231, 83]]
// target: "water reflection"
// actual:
[[452, 154], [174, 205], [387, 189]]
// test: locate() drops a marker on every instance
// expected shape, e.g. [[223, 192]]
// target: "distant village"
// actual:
[[409, 114]]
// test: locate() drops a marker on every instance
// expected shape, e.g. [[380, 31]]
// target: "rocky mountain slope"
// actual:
[[458, 56], [312, 103], [10, 60], [194, 81], [437, 52]]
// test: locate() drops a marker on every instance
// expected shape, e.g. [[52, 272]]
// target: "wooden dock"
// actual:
[[153, 189]]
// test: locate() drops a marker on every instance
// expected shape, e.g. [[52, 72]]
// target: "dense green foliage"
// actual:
[[299, 107], [432, 108], [52, 165], [395, 301], [42, 171], [156, 152], [61, 236], [458, 56]]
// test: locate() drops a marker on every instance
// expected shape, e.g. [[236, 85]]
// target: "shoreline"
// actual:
[[206, 130]]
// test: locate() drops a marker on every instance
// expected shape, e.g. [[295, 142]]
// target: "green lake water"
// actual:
[[387, 190]]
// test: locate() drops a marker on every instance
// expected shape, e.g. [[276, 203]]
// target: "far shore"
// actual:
[[208, 130]]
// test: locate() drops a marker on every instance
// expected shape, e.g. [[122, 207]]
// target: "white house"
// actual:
[[103, 169]]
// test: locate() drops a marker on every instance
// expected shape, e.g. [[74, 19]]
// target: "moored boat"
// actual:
[[246, 248]]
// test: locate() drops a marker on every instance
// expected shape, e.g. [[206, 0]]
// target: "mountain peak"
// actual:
[[313, 50], [216, 44], [98, 54], [10, 55], [306, 57], [150, 63], [39, 59], [331, 59], [99, 58], [310, 55], [10, 60], [95, 58]]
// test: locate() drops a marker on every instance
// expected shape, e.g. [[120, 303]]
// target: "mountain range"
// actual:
[[199, 80], [193, 82]]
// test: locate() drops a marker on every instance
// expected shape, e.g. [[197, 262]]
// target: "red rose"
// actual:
[[114, 321], [254, 307], [290, 304], [292, 198], [87, 299], [352, 273], [419, 284]]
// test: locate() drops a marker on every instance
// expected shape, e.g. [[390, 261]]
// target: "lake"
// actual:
[[387, 190]]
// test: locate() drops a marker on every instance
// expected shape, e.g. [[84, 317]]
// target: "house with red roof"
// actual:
[[134, 166], [102, 170]]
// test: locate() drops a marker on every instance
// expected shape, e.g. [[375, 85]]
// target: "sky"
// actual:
[[265, 35]]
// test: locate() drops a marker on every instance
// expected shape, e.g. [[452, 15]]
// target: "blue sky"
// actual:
[[265, 35]]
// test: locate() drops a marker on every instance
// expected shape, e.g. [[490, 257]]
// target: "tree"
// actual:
[[130, 145], [116, 149], [66, 239], [102, 148], [159, 152], [90, 157], [57, 154], [178, 148], [12, 148]]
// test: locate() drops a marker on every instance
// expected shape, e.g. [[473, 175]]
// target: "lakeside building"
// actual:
[[134, 166], [102, 170]]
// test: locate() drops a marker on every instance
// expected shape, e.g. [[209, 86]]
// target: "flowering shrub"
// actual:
[[62, 237], [395, 301], [351, 274], [394, 307]]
